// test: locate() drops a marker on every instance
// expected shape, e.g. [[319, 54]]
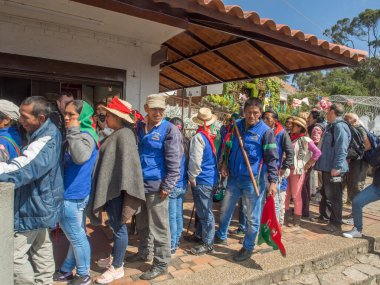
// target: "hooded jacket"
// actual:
[[37, 175]]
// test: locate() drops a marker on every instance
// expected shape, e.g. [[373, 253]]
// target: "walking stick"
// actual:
[[246, 158], [191, 218]]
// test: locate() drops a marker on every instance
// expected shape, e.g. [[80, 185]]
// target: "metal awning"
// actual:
[[224, 43]]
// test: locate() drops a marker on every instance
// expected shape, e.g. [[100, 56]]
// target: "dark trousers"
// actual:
[[331, 205], [356, 178], [306, 189]]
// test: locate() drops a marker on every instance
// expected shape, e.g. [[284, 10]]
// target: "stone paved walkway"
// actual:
[[186, 265]]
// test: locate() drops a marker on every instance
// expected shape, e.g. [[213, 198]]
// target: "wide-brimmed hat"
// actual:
[[300, 122], [204, 116], [120, 108], [156, 101]]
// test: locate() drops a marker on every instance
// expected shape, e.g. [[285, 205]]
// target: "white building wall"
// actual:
[[54, 41]]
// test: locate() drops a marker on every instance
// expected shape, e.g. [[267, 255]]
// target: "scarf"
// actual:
[[86, 122], [277, 128], [293, 137], [207, 131]]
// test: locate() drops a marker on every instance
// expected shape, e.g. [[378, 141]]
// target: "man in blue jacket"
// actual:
[[161, 151], [333, 164], [37, 175], [260, 144]]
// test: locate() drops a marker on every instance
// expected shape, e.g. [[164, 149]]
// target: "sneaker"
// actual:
[[63, 276], [218, 240], [110, 275], [81, 280], [202, 249], [349, 221], [105, 262], [172, 252], [239, 232], [354, 233]]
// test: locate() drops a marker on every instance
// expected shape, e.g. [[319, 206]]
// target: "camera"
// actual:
[[102, 118], [336, 179]]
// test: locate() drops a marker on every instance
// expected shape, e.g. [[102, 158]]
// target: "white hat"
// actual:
[[9, 109], [156, 101], [204, 116], [120, 108]]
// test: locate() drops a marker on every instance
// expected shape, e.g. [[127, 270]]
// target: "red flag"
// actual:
[[270, 229]]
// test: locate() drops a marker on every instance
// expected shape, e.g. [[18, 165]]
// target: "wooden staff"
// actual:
[[246, 158]]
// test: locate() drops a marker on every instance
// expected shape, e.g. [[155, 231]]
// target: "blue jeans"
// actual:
[[242, 217], [176, 215], [73, 222], [203, 204], [368, 195], [237, 188], [114, 209]]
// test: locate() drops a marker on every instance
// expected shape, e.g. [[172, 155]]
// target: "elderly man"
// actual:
[[37, 175], [160, 150], [261, 148], [333, 165]]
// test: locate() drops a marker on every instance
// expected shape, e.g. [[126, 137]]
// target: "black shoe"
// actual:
[[81, 280], [138, 257], [202, 249], [153, 272], [332, 228], [218, 240], [63, 276], [242, 255], [193, 238]]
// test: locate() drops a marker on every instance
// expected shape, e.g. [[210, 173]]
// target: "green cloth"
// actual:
[[86, 121]]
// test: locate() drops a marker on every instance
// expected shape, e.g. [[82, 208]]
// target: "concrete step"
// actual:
[[309, 257], [364, 269]]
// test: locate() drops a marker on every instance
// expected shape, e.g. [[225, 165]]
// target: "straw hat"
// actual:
[[204, 115], [156, 101], [300, 122], [120, 108]]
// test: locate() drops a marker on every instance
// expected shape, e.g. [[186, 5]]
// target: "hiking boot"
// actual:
[[138, 257], [153, 272], [110, 275], [218, 240], [239, 232], [105, 262], [63, 276], [319, 220], [81, 280], [354, 233], [202, 249], [242, 255], [332, 228], [193, 238]]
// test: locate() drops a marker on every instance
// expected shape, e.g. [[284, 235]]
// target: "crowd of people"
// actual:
[[75, 162]]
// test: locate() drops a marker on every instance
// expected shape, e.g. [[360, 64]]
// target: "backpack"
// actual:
[[371, 155], [356, 147]]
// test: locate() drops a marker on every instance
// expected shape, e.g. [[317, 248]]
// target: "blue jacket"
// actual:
[[260, 144], [7, 135], [77, 177], [334, 157], [183, 178], [209, 175], [160, 151], [37, 175]]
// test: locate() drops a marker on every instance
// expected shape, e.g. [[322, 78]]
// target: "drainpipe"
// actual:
[[6, 237]]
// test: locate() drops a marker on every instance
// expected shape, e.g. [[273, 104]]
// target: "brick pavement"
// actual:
[[184, 264]]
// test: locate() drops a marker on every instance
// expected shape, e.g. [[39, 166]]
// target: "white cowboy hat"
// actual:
[[120, 109], [204, 116]]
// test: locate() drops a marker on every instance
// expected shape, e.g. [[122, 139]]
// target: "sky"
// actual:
[[310, 16]]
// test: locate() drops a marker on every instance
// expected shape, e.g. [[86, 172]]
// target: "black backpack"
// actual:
[[356, 147]]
